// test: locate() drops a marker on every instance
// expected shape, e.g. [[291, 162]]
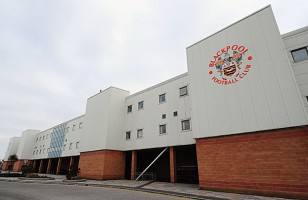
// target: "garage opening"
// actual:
[[160, 170], [186, 164]]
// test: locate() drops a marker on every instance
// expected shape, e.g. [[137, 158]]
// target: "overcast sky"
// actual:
[[55, 54]]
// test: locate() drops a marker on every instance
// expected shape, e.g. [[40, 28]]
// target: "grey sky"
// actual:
[[55, 54]]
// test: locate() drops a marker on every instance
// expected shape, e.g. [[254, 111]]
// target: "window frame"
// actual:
[[140, 103], [128, 133], [77, 145], [130, 108], [80, 125], [140, 131], [295, 50], [162, 129], [183, 125], [186, 94], [160, 99]]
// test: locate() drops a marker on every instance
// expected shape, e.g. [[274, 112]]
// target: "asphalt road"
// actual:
[[34, 191]]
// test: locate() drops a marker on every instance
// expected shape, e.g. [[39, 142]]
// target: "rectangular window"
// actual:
[[139, 133], [162, 129], [43, 137], [175, 113], [67, 129], [40, 138], [33, 152], [40, 151], [74, 127], [71, 144], [183, 91], [163, 116], [186, 124], [36, 139], [80, 125], [128, 135], [130, 109], [140, 105], [64, 147], [162, 98], [47, 136], [77, 145], [300, 54], [307, 98], [36, 152]]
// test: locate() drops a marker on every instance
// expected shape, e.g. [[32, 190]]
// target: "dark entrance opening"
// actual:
[[128, 164], [37, 165], [53, 165], [160, 168], [44, 166], [65, 165], [186, 164]]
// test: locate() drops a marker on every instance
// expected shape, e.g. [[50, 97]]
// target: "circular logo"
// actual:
[[227, 66]]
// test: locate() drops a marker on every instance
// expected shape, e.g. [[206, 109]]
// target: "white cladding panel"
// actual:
[[296, 40], [263, 97], [150, 117], [26, 144], [12, 147], [104, 120]]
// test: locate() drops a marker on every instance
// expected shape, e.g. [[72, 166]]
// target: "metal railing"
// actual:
[[147, 176]]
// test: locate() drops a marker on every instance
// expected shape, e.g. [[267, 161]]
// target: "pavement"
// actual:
[[190, 191]]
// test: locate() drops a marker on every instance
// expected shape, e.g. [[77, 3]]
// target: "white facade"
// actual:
[[12, 147], [294, 40], [261, 95], [263, 89]]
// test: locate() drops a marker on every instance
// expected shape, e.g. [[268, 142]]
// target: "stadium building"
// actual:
[[236, 121]]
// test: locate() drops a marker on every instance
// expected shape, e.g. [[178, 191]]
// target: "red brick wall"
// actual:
[[5, 165], [273, 163], [104, 164], [17, 165]]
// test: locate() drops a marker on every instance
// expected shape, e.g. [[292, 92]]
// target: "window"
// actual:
[[43, 137], [162, 129], [162, 98], [74, 127], [183, 91], [307, 98], [139, 133], [36, 139], [175, 113], [130, 109], [71, 144], [47, 136], [40, 151], [140, 105], [300, 54], [64, 147], [36, 152], [67, 129], [80, 125], [127, 135], [40, 138], [186, 124], [33, 152], [163, 116], [77, 145]]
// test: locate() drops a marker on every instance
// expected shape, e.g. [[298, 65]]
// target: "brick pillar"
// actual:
[[34, 164], [71, 162], [5, 165], [41, 166], [134, 165], [59, 166], [48, 166], [17, 165], [172, 165]]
